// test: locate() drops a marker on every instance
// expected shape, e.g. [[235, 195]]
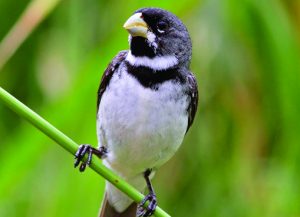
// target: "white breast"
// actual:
[[142, 128]]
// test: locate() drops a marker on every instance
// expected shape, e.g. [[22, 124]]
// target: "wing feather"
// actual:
[[108, 73], [193, 94]]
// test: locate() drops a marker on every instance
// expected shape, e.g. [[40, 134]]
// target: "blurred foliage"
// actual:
[[241, 157]]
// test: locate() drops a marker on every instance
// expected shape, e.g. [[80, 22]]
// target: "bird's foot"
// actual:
[[145, 212], [82, 150]]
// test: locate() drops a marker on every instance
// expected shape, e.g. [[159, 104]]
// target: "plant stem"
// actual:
[[36, 11], [68, 144]]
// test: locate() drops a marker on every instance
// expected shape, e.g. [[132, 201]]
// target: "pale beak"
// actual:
[[136, 26]]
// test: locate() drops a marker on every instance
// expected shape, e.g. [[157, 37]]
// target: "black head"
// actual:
[[157, 32]]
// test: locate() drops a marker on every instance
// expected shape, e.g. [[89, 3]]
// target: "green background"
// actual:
[[240, 158]]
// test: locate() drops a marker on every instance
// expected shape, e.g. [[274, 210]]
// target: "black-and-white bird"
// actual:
[[147, 101]]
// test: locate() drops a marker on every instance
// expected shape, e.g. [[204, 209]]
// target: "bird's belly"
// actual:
[[142, 128]]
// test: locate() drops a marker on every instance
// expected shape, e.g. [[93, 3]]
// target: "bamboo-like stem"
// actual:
[[68, 144], [36, 11]]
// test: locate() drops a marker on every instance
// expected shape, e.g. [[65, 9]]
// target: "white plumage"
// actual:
[[155, 63], [142, 128]]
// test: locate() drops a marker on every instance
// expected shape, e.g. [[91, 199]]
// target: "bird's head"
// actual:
[[157, 33]]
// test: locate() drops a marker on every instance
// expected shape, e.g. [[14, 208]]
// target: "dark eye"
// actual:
[[162, 26]]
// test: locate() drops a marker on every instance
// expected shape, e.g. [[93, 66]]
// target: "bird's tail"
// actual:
[[108, 211]]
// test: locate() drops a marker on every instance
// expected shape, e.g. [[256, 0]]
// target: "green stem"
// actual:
[[71, 147]]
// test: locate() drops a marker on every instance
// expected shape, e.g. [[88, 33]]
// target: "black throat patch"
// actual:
[[150, 78], [140, 47]]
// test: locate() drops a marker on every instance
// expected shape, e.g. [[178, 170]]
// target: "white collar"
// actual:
[[155, 63]]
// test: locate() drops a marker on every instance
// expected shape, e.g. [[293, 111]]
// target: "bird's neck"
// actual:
[[156, 63], [143, 52], [150, 78], [148, 66]]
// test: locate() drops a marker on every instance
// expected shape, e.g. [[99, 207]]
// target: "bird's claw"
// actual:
[[146, 212], [82, 150]]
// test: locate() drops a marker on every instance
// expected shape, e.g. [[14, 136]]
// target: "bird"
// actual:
[[147, 101]]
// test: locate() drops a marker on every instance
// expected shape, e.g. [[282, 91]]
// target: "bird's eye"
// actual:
[[162, 26]]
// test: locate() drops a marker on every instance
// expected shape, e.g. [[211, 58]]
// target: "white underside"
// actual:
[[142, 128]]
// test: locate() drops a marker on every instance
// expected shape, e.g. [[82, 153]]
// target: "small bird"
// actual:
[[147, 102]]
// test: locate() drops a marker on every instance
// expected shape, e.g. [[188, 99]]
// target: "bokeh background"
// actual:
[[240, 158]]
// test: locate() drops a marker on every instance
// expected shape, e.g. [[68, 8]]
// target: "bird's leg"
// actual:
[[82, 150], [151, 197]]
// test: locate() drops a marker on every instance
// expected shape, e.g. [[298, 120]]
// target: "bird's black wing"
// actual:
[[193, 94], [107, 75]]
